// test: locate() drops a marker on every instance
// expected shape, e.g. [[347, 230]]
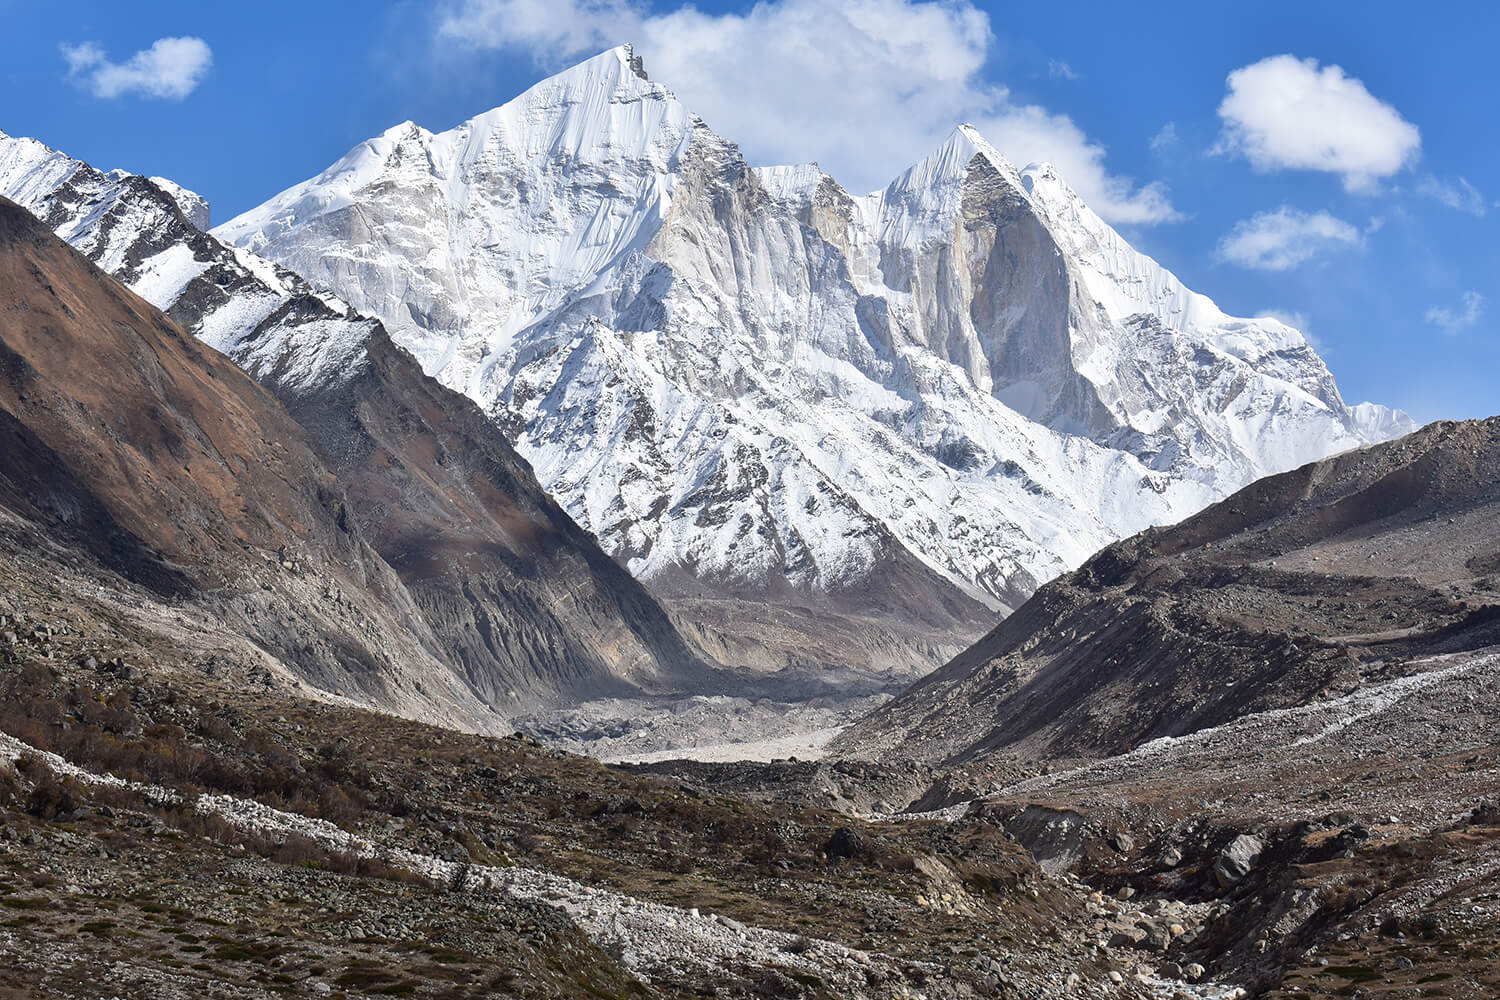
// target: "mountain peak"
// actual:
[[950, 162], [636, 63], [193, 204], [967, 131], [598, 110], [613, 71], [587, 264], [402, 130]]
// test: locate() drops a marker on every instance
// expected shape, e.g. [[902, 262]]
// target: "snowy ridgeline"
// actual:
[[755, 374], [739, 378]]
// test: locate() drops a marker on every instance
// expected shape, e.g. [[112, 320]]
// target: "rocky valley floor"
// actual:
[[1345, 848], [183, 819], [256, 844], [170, 830]]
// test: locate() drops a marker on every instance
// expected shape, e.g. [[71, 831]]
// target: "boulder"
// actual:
[[1236, 860], [846, 842]]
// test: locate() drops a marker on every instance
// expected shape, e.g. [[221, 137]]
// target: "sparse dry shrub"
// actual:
[[11, 786], [550, 806], [214, 728], [799, 945], [623, 828], [51, 796], [338, 806], [265, 744], [375, 868]]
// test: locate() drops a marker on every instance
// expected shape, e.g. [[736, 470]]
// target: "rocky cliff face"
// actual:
[[519, 601], [128, 440], [745, 381]]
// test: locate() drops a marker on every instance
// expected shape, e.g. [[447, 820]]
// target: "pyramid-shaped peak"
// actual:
[[968, 137], [950, 162], [616, 69]]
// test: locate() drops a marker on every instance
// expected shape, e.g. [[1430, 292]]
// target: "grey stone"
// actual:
[[1237, 859]]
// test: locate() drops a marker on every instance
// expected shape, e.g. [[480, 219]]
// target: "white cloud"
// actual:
[[1460, 195], [1280, 240], [1059, 70], [1028, 133], [1165, 138], [1471, 307], [866, 88], [1285, 112], [170, 68]]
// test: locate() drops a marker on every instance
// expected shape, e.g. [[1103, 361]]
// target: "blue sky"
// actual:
[[1354, 187]]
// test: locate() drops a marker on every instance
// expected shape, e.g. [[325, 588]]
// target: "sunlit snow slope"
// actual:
[[748, 381]]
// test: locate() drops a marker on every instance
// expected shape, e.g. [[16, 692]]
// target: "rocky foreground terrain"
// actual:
[[175, 828], [192, 838], [1263, 737], [199, 834]]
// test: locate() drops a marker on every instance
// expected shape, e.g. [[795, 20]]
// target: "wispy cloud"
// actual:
[[1059, 70], [1470, 309], [1459, 195], [1289, 113], [866, 88], [1165, 138], [1280, 240], [171, 68]]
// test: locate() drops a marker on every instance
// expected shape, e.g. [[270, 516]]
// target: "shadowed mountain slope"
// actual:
[[134, 442], [1307, 585], [522, 603], [525, 603]]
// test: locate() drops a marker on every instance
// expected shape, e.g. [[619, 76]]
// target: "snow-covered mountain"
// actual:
[[752, 376], [745, 379]]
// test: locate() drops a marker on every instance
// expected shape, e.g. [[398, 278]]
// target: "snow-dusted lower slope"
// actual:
[[144, 232], [745, 380]]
